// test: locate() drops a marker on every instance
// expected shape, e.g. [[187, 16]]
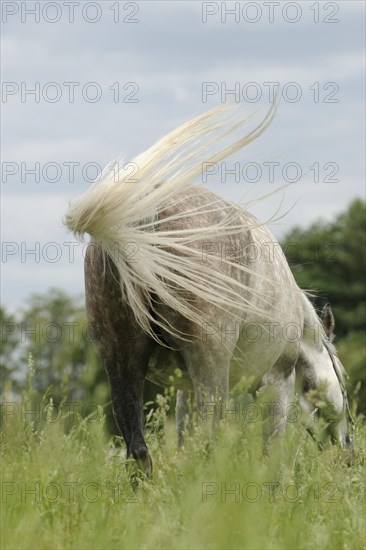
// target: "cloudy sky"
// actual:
[[86, 83]]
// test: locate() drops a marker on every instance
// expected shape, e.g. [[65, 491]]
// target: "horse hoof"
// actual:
[[142, 460]]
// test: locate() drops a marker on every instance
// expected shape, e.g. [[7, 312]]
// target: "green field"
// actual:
[[65, 484]]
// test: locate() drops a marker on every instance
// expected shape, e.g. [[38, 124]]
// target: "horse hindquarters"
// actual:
[[123, 348]]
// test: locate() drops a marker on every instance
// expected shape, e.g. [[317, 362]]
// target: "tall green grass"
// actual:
[[65, 485]]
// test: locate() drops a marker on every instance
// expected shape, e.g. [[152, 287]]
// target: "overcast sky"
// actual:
[[112, 77]]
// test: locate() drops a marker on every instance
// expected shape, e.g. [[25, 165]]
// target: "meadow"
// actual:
[[66, 485]]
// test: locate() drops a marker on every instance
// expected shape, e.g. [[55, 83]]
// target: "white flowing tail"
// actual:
[[118, 212]]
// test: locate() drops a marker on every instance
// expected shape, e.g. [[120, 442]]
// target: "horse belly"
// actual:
[[255, 356], [167, 368]]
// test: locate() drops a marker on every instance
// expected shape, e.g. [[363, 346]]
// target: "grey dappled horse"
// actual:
[[177, 277]]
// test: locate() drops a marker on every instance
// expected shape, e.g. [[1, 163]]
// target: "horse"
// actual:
[[177, 277]]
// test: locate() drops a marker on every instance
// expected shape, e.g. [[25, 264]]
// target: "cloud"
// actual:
[[169, 54]]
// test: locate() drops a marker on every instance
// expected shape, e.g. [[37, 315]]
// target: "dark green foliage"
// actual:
[[330, 259]]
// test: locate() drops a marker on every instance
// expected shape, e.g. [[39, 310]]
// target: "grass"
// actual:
[[71, 490]]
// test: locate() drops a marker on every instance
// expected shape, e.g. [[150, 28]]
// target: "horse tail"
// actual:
[[121, 212]]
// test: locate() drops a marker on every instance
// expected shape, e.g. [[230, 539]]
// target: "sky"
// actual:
[[85, 84]]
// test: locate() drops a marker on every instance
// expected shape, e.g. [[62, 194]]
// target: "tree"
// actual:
[[53, 329], [330, 259], [9, 358]]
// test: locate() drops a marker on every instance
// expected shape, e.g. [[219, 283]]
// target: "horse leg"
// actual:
[[181, 414], [126, 382], [276, 397], [124, 350], [209, 372]]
